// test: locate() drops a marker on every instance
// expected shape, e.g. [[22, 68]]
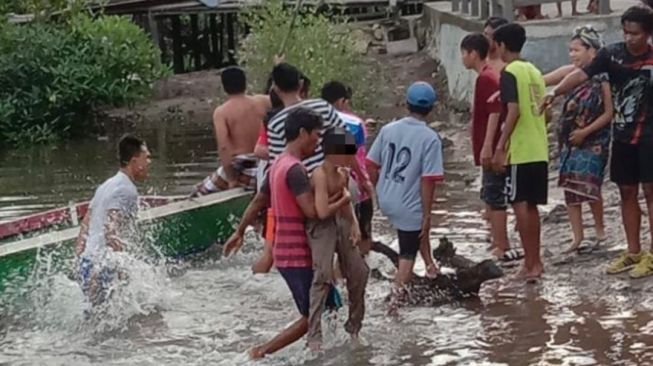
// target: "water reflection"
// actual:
[[44, 177]]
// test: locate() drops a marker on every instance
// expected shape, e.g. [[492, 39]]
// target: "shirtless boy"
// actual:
[[335, 230], [236, 123]]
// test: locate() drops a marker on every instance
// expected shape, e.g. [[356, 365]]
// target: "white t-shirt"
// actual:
[[116, 193]]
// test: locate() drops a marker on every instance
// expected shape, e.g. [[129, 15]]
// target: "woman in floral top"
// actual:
[[584, 138]]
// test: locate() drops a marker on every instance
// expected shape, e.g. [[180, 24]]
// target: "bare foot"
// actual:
[[256, 353], [535, 273], [574, 247]]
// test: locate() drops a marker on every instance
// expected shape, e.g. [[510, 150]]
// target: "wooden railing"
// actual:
[[506, 8]]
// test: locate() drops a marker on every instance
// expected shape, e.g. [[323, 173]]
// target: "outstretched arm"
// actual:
[[557, 75], [259, 203]]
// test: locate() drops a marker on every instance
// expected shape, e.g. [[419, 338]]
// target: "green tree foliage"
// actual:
[[320, 47], [54, 76]]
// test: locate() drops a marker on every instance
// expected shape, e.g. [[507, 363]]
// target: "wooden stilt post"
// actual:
[[215, 51], [231, 40], [177, 50], [195, 42]]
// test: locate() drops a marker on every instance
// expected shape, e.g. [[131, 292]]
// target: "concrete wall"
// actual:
[[546, 46]]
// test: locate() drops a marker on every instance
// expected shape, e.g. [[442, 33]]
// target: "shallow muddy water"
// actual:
[[210, 313]]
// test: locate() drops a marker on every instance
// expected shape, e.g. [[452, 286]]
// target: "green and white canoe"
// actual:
[[176, 226]]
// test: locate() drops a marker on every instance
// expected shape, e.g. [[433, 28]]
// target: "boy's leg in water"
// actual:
[[288, 336], [493, 194], [356, 272], [322, 237], [299, 281], [364, 214], [409, 245], [528, 219], [528, 185]]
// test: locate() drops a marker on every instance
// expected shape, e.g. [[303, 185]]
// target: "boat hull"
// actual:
[[175, 230]]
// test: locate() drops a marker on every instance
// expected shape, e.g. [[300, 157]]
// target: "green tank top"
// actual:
[[529, 140]]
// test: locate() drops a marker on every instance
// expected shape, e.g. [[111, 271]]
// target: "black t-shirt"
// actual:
[[508, 88], [631, 79]]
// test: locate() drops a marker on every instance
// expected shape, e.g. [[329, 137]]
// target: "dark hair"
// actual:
[[419, 110], [334, 90], [286, 77], [233, 80], [512, 35], [275, 100], [306, 83], [648, 3], [495, 22], [301, 118], [476, 42], [128, 147], [640, 15]]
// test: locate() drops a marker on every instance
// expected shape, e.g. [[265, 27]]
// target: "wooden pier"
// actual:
[[203, 34]]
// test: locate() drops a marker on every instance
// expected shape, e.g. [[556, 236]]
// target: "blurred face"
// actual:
[[140, 164], [579, 54], [468, 58], [340, 160], [488, 32], [635, 36]]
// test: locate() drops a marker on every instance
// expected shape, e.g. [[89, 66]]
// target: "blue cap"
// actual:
[[421, 94]]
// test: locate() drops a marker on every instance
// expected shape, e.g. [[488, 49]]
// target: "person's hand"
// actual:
[[278, 59], [499, 160], [548, 100], [577, 137], [355, 233], [233, 244], [335, 197], [486, 157], [346, 195]]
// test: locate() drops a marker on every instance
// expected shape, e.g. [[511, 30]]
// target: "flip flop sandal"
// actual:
[[586, 247], [512, 255]]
